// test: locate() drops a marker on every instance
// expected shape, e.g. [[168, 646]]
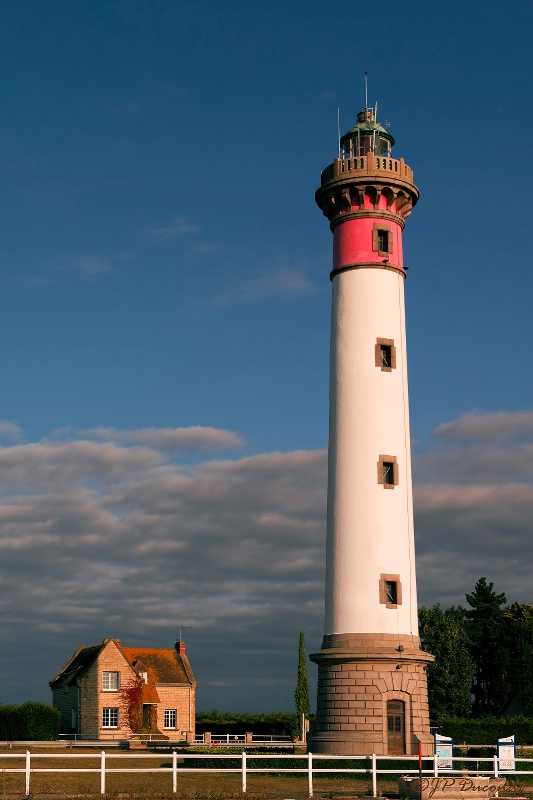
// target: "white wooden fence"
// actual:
[[309, 764]]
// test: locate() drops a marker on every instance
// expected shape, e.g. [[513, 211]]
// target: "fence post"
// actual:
[[495, 766], [243, 768], [436, 766], [374, 775], [174, 771], [102, 772], [28, 769], [310, 773]]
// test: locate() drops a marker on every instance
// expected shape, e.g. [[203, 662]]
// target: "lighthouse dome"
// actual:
[[366, 136]]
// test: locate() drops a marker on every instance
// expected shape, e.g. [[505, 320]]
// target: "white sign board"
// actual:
[[506, 754], [444, 751]]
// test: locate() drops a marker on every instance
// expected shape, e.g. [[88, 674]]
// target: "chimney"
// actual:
[[180, 647]]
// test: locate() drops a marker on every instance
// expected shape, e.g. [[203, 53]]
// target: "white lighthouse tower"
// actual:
[[372, 691]]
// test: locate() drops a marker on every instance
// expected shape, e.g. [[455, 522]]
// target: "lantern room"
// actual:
[[366, 136]]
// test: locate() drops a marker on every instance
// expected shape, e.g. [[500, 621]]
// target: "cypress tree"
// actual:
[[301, 695]]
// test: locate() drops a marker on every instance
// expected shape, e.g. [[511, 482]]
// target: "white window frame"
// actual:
[[110, 681], [171, 714], [110, 718]]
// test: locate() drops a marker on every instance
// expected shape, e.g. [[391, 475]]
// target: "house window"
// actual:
[[110, 718], [382, 239], [143, 677], [110, 681], [390, 591], [388, 472], [170, 718], [385, 354]]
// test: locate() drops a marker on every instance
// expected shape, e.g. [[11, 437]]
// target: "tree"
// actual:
[[488, 647], [301, 694], [518, 626], [443, 633]]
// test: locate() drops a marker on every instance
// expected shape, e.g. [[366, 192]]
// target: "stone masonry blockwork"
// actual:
[[362, 695]]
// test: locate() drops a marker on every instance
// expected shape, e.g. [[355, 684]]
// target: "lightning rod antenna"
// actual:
[[339, 129], [366, 90]]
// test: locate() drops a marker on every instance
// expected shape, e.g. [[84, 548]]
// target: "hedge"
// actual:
[[29, 722], [271, 724], [486, 730]]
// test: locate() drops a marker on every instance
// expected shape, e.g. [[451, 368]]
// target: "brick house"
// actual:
[[87, 691]]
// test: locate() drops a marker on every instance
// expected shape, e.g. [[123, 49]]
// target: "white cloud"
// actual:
[[478, 425], [89, 265], [9, 430], [284, 281], [176, 227], [202, 439], [204, 249]]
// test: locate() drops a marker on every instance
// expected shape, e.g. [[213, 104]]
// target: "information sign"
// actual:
[[444, 751], [507, 754]]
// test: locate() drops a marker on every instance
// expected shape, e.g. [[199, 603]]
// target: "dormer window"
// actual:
[[143, 677]]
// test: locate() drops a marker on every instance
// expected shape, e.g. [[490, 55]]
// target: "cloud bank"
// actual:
[[111, 537], [121, 533], [474, 506]]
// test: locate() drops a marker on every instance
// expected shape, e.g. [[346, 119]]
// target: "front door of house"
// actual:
[[396, 727], [147, 709]]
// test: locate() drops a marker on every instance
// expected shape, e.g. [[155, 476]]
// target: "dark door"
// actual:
[[396, 727]]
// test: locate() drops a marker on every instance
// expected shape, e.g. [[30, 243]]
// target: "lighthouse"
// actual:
[[372, 686]]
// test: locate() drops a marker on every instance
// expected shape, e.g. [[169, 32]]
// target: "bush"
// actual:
[[29, 722], [274, 724]]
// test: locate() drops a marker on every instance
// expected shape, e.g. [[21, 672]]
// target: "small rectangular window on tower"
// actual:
[[388, 472], [385, 354], [382, 239], [390, 590]]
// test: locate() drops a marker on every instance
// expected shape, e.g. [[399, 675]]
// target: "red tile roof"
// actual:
[[149, 694], [163, 666]]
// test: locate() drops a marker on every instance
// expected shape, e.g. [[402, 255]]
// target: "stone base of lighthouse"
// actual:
[[372, 696]]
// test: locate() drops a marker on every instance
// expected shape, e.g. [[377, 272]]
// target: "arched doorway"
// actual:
[[396, 727]]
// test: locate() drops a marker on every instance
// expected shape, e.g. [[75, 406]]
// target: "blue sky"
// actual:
[[164, 318]]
